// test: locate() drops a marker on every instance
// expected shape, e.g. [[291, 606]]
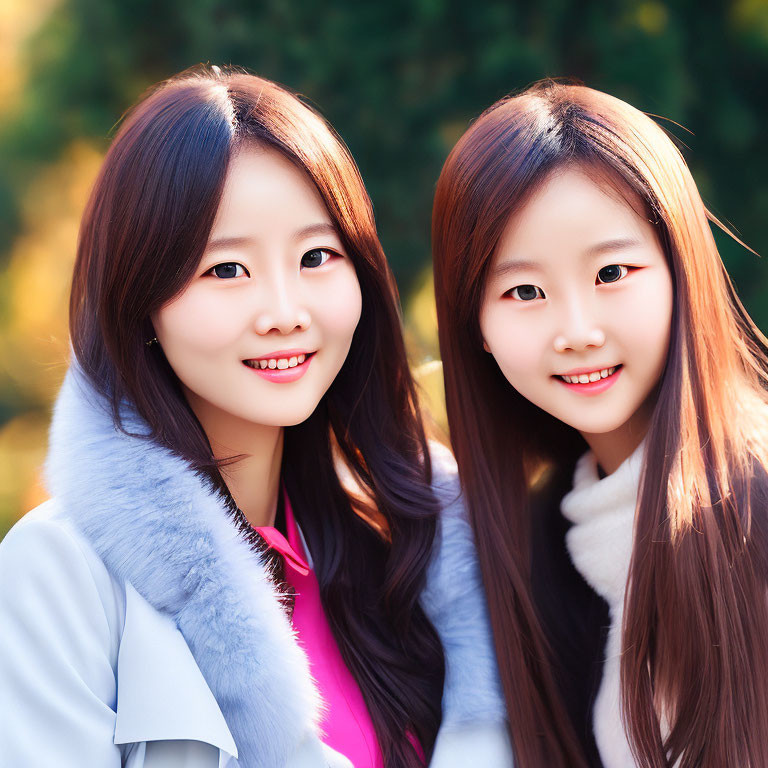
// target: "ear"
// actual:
[[486, 347]]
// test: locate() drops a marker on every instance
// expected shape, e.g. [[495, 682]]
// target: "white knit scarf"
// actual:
[[600, 545]]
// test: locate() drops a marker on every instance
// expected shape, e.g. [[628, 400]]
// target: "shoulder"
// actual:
[[454, 600], [47, 529], [445, 480], [60, 614], [454, 548], [45, 561], [453, 569]]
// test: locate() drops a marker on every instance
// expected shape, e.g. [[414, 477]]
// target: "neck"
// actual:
[[254, 479], [612, 449]]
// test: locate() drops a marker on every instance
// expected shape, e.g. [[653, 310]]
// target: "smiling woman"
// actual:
[[201, 589], [263, 327], [573, 325], [606, 394], [269, 288]]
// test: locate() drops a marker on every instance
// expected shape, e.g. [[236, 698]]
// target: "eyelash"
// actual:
[[211, 271], [320, 250], [511, 291], [624, 270], [540, 294]]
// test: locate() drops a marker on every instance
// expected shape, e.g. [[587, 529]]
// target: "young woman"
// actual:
[[201, 590], [606, 395]]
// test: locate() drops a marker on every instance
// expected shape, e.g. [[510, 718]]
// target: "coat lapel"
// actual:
[[162, 694], [158, 525]]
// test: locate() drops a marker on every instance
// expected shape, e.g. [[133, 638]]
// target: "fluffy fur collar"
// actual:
[[157, 524]]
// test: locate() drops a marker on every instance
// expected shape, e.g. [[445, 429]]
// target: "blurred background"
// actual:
[[400, 81]]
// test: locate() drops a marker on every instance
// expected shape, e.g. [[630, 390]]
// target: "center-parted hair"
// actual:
[[695, 635], [143, 234]]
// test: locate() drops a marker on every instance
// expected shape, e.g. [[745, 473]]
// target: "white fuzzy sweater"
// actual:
[[600, 546]]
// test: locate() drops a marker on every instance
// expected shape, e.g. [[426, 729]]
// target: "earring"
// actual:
[[152, 341]]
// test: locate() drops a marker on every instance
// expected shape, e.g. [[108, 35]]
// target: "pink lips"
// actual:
[[592, 387], [284, 375]]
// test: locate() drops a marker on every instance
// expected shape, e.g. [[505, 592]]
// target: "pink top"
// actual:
[[346, 725]]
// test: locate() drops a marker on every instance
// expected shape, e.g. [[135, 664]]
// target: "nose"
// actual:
[[281, 309], [579, 329]]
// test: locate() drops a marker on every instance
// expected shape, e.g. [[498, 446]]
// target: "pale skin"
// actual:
[[275, 285], [579, 283]]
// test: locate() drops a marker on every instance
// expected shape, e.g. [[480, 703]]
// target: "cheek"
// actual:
[[645, 319], [513, 339], [195, 323], [338, 308]]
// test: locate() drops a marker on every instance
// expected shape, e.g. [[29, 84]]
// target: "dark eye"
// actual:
[[315, 258], [526, 292], [612, 273], [228, 269]]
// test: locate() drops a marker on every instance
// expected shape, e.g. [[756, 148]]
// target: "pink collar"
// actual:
[[275, 540]]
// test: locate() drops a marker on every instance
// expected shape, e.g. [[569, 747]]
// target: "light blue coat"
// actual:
[[137, 628]]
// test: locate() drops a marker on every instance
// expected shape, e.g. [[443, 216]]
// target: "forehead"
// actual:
[[573, 210], [263, 188]]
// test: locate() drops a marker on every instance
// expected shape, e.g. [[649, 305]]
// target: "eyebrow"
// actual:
[[514, 265], [617, 244], [323, 228], [222, 243], [510, 266]]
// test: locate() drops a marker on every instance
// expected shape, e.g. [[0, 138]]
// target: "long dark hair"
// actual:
[[695, 634], [143, 233]]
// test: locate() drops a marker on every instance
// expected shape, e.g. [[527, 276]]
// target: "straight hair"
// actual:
[[695, 632], [143, 234]]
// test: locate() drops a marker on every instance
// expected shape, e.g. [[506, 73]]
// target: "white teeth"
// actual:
[[281, 363], [586, 378]]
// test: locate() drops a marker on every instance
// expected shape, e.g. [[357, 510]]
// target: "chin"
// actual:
[[292, 422], [289, 417], [597, 426]]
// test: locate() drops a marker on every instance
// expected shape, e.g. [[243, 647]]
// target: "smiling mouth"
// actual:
[[279, 363], [589, 378]]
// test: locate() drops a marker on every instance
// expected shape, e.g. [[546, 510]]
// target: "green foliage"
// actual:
[[401, 80]]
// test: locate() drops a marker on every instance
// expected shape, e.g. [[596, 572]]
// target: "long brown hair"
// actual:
[[695, 635], [142, 236]]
